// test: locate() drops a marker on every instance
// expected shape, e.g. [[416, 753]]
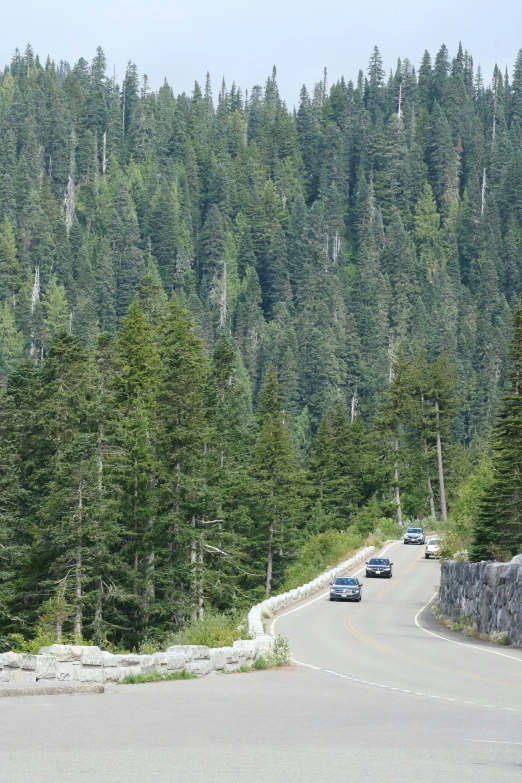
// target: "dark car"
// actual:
[[345, 588], [414, 535], [379, 566]]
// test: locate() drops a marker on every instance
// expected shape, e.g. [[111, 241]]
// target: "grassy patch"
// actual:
[[467, 627], [137, 679], [215, 630]]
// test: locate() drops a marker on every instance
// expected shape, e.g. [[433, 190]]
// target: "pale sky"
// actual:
[[242, 39]]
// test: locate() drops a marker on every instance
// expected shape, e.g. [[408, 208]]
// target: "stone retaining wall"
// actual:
[[70, 663], [489, 594]]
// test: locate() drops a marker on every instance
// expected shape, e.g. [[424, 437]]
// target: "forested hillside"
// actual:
[[226, 325]]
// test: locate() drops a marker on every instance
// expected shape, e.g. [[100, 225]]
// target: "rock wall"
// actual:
[[70, 663], [489, 594]]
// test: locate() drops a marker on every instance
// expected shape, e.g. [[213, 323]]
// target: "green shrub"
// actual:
[[215, 630], [320, 552], [17, 643], [387, 529], [281, 652], [279, 656]]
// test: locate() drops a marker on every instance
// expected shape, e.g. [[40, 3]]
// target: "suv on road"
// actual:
[[432, 547], [414, 535], [345, 588]]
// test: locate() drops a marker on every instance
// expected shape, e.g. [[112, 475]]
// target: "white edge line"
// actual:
[[411, 693], [453, 641], [493, 742], [320, 597]]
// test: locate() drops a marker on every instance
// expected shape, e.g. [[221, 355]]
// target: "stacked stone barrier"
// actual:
[[487, 594], [62, 663]]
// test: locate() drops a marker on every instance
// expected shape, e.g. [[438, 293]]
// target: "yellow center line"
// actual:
[[348, 620]]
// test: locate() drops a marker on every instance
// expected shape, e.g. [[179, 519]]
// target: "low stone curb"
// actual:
[[75, 664], [12, 691]]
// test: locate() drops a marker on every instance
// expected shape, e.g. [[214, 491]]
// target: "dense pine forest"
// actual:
[[227, 326]]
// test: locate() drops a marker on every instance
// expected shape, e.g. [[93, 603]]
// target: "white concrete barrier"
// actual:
[[76, 663]]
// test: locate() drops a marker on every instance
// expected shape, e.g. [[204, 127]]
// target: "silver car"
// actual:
[[414, 535]]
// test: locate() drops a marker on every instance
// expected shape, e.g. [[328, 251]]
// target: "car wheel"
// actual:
[[332, 598], [389, 576], [359, 599], [426, 557], [368, 575]]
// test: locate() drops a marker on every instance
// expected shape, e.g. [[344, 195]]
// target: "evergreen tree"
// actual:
[[277, 502], [498, 526]]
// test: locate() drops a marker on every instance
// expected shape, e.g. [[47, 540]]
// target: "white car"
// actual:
[[432, 547]]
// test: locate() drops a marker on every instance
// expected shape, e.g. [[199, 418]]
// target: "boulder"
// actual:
[[92, 674], [45, 667], [218, 658], [175, 662], [200, 666], [147, 663], [131, 659], [246, 648], [110, 660], [91, 656], [63, 652], [115, 673], [22, 675], [14, 660], [161, 660], [191, 652], [68, 671]]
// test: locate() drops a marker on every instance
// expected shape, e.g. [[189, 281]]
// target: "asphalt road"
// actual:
[[378, 699]]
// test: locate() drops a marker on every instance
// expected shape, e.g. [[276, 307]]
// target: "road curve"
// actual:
[[390, 640], [378, 699]]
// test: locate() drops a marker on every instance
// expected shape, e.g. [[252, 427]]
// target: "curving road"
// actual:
[[377, 696], [390, 640]]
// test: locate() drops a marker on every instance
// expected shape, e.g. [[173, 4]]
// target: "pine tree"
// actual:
[[277, 486], [498, 526], [181, 412], [10, 270], [133, 383], [56, 311], [11, 342]]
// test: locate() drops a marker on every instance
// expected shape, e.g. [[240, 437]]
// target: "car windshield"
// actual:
[[434, 541], [379, 561], [346, 581], [414, 530]]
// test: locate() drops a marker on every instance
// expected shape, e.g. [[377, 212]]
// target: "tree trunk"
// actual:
[[98, 614], [193, 560], [135, 515], [428, 476], [430, 491], [100, 457], [201, 603], [439, 464], [269, 559], [78, 570], [396, 482]]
